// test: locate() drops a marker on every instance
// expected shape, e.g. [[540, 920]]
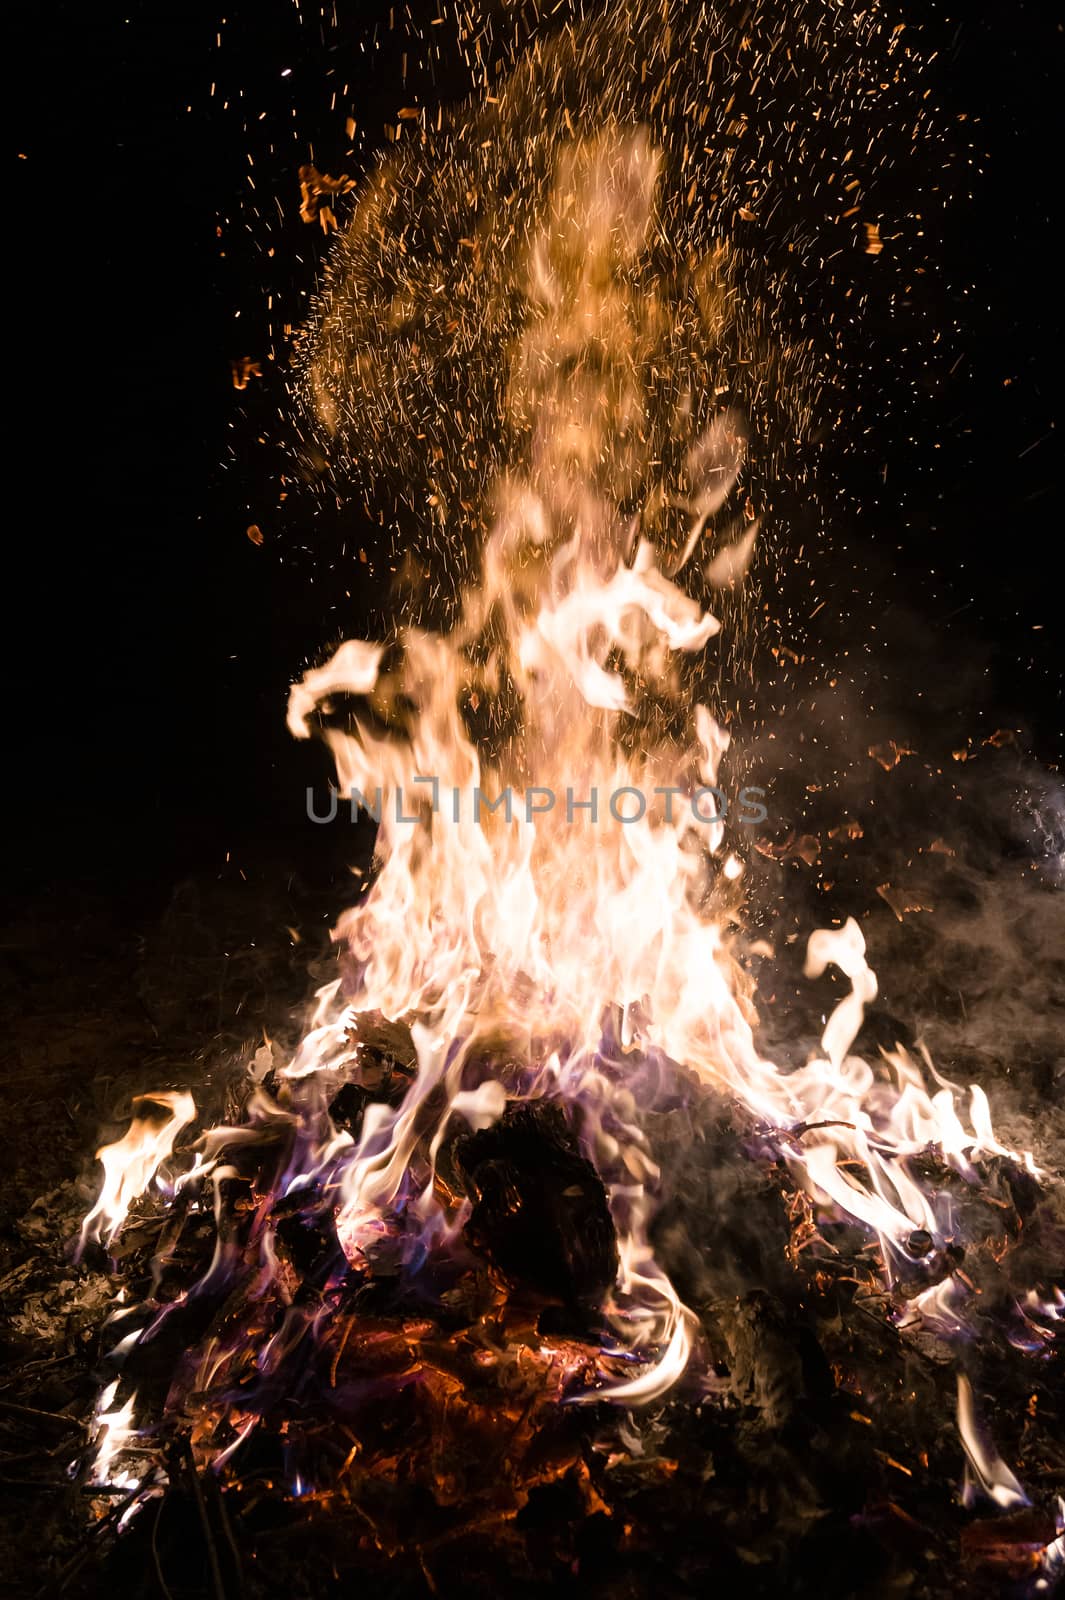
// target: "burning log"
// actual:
[[1013, 1546], [540, 1212]]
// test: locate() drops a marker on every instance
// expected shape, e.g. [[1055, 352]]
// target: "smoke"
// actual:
[[929, 820]]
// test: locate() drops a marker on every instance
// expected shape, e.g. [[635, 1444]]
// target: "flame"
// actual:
[[131, 1162], [552, 905], [112, 1434], [991, 1472], [510, 919]]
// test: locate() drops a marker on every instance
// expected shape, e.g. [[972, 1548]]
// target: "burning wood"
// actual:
[[1015, 1546], [432, 1232], [539, 1210], [529, 1229]]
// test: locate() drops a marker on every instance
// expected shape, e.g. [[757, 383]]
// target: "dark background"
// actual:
[[152, 642]]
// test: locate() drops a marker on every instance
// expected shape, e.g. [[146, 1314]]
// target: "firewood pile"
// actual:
[[425, 1420]]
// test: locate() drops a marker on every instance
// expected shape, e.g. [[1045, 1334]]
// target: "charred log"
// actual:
[[540, 1212]]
